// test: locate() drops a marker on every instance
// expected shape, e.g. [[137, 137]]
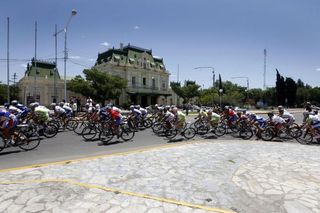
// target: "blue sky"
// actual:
[[229, 35]]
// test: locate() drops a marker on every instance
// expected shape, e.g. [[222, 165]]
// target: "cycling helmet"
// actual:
[[34, 105], [14, 102], [61, 104], [174, 109], [131, 107], [53, 104], [280, 108], [270, 114]]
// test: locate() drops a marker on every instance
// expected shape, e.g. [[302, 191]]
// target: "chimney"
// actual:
[[121, 46]]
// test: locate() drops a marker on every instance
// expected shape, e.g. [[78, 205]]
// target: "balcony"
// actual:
[[148, 90]]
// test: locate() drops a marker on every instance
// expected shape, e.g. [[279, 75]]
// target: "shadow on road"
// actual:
[[10, 152]]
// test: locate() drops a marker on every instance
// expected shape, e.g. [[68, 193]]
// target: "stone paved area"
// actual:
[[243, 176]]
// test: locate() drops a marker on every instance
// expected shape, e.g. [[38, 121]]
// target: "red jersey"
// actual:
[[115, 114]]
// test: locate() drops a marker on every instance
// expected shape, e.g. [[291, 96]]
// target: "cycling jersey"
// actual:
[[277, 120], [288, 117], [115, 115], [169, 116], [144, 112], [181, 116], [8, 120], [59, 110]]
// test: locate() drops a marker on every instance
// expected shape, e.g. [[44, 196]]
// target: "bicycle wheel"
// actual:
[[305, 138], [220, 130], [26, 143], [147, 123], [295, 132], [2, 143], [71, 124], [89, 132], [50, 131], [246, 133], [127, 134], [171, 133], [202, 129], [79, 127], [106, 135], [189, 133], [267, 134]]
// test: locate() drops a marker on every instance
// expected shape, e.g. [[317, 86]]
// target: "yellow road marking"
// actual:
[[123, 192], [100, 156]]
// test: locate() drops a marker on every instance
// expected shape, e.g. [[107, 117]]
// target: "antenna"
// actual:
[[265, 68], [178, 73]]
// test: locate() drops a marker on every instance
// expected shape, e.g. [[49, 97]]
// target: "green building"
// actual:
[[147, 76]]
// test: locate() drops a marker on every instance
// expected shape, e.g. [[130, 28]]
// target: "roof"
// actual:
[[45, 69], [128, 52]]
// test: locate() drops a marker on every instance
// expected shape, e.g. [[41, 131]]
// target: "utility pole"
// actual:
[[14, 77], [8, 70], [265, 68], [35, 64]]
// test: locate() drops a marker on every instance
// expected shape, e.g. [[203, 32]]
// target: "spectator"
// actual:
[[78, 104]]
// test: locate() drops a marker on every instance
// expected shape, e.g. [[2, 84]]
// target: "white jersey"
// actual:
[[143, 111], [14, 110], [287, 115], [59, 110], [314, 118], [116, 109], [169, 115], [277, 120]]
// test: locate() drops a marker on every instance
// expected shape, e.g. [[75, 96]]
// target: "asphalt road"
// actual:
[[67, 145]]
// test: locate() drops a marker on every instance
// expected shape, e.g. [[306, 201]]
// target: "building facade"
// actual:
[[41, 83], [148, 79]]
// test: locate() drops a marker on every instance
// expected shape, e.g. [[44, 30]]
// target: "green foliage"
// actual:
[[98, 85], [291, 92], [188, 91]]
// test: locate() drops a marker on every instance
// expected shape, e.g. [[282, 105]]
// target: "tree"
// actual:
[[98, 85], [188, 91], [280, 89], [291, 92]]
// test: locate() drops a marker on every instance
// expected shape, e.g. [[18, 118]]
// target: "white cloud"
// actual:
[[74, 57], [136, 27], [92, 59], [105, 44], [318, 69], [23, 65]]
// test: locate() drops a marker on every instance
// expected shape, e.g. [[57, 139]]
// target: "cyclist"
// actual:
[[8, 122], [287, 116], [213, 118], [230, 115], [117, 118], [180, 118], [168, 117], [276, 120], [259, 122]]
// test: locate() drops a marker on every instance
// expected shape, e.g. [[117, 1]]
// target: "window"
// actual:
[[144, 82], [153, 82], [133, 81], [163, 85]]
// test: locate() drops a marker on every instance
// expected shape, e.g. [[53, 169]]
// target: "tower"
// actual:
[[264, 68]]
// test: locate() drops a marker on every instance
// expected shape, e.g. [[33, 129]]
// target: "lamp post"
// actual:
[[65, 30], [247, 78], [213, 80], [220, 96]]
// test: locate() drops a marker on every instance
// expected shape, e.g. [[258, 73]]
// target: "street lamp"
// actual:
[[220, 96], [213, 79], [247, 84], [73, 13]]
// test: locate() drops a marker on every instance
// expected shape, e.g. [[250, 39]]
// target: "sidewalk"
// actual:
[[207, 176]]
